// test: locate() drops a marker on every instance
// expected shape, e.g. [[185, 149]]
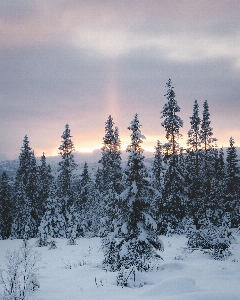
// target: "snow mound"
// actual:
[[206, 296], [171, 287], [171, 266]]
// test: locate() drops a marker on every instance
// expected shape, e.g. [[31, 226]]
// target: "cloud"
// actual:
[[77, 62]]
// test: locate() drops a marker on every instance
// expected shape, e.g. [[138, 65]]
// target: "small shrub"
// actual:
[[216, 240], [52, 245], [19, 279]]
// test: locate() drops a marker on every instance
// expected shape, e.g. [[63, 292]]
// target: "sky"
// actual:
[[77, 62]]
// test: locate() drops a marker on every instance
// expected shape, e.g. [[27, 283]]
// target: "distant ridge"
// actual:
[[92, 159]]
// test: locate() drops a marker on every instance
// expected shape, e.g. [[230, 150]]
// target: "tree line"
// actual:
[[128, 207]]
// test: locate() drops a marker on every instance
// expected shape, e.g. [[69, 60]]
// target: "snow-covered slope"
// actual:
[[74, 272]]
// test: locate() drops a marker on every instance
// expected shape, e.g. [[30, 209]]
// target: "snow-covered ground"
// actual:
[[74, 272]]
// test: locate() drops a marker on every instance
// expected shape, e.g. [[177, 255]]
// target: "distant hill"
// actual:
[[92, 159]]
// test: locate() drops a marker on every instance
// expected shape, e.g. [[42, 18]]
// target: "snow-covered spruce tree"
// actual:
[[111, 159], [25, 194], [85, 193], [157, 168], [214, 203], [32, 191], [111, 176], [73, 227], [23, 222], [193, 167], [209, 184], [158, 180], [45, 179], [86, 204], [5, 207], [117, 169], [174, 195], [208, 157], [232, 200], [172, 123], [194, 141], [136, 243], [53, 223], [84, 188], [98, 180], [206, 131], [65, 173], [106, 160]]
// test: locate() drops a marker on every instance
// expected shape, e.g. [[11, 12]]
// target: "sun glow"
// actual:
[[85, 150]]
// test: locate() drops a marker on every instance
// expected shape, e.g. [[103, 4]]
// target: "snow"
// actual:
[[74, 272]]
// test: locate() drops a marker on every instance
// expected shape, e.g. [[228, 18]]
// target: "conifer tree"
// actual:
[[194, 133], [215, 197], [84, 188], [65, 172], [73, 226], [158, 168], [172, 122], [111, 176], [206, 131], [32, 191], [107, 158], [87, 206], [174, 194], [117, 169], [45, 179], [209, 183], [24, 225], [232, 202], [158, 180], [53, 223], [5, 207], [137, 240], [25, 219], [111, 159], [98, 180], [193, 168], [111, 199]]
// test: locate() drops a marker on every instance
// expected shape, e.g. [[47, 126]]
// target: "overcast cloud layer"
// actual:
[[77, 62]]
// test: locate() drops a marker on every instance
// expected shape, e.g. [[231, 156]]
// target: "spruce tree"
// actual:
[[172, 122], [65, 172], [117, 169], [209, 183], [5, 207], [111, 159], [174, 194], [24, 225], [193, 168], [53, 223], [157, 180], [158, 168], [87, 206], [84, 188], [45, 179], [111, 176], [194, 133], [206, 131], [137, 241], [232, 201], [25, 218]]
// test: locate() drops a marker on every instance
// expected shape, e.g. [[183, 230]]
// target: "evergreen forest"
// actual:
[[193, 191]]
